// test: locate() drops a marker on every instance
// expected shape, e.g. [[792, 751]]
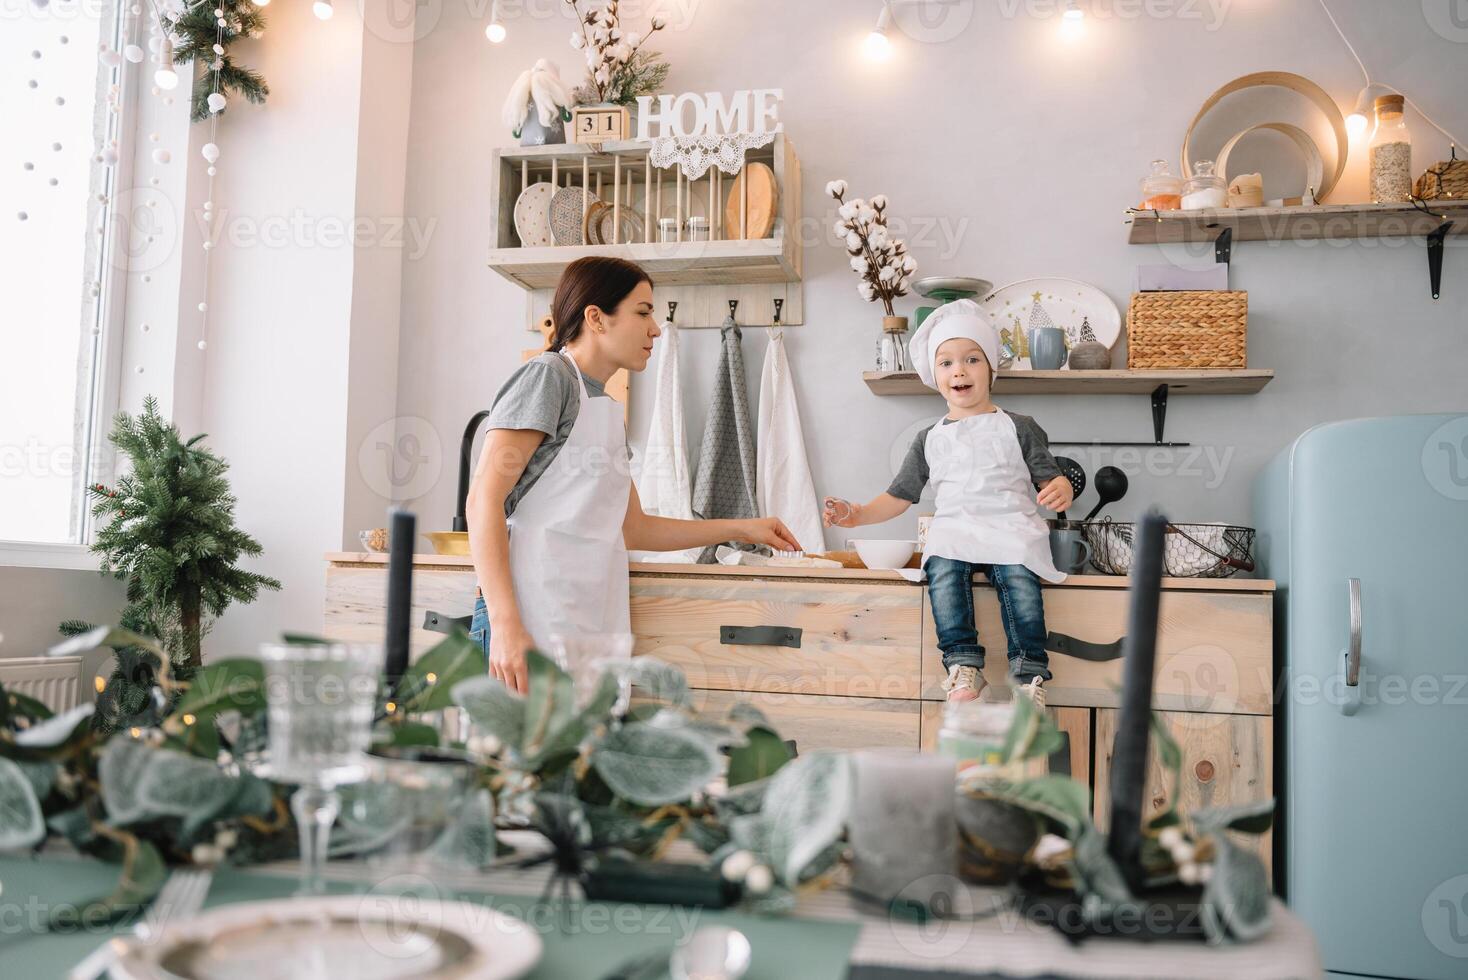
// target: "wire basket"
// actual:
[[1189, 550]]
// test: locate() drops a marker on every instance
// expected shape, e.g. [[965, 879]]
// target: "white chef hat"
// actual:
[[960, 318]]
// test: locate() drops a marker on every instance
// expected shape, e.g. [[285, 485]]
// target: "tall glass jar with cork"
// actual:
[[1391, 153]]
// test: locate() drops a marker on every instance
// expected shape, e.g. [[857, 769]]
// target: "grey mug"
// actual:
[[1047, 348], [1069, 549]]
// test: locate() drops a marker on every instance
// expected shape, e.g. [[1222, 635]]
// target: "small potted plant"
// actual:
[[538, 108], [882, 263]]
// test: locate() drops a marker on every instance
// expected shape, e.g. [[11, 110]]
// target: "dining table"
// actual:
[[829, 935]]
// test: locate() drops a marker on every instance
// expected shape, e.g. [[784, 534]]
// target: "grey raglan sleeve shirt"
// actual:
[[1034, 446]]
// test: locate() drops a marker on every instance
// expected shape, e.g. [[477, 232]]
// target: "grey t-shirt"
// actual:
[[541, 395], [1034, 446]]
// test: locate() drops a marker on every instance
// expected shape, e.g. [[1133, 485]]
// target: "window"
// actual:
[[60, 278]]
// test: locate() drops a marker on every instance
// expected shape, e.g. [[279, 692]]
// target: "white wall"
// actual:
[[1025, 147]]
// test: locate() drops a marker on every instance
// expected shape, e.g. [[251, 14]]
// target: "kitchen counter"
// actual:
[[848, 574]]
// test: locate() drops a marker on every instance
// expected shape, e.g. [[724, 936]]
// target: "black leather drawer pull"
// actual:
[[1083, 649], [440, 623], [763, 636]]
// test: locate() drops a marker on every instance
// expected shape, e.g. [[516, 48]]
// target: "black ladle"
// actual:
[[1111, 484], [1072, 471]]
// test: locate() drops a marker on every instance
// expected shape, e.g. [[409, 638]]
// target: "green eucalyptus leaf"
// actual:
[[746, 715], [225, 685], [1059, 798], [550, 707], [806, 804], [1238, 892], [120, 771], [143, 874], [411, 733], [57, 730], [42, 775], [657, 681], [762, 756], [469, 839], [1248, 818], [493, 708], [75, 825], [650, 765], [456, 658], [111, 637], [143, 783], [1096, 874], [304, 640], [21, 823]]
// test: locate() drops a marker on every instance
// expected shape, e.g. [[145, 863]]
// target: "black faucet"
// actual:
[[466, 445]]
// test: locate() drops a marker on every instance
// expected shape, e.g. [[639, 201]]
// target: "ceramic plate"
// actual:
[[532, 216], [566, 215], [374, 935], [1068, 301]]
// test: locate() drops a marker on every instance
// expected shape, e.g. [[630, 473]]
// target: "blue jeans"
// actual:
[[1021, 608], [479, 625]]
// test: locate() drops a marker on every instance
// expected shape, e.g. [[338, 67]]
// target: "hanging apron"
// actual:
[[987, 511], [568, 561]]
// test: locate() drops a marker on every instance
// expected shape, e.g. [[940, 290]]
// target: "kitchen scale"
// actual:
[[946, 289]]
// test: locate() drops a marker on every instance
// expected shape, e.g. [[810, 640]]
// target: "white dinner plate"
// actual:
[[365, 937], [1068, 301], [532, 215]]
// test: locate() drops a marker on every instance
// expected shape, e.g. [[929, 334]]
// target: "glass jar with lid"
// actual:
[[1205, 189], [1161, 189], [1391, 153]]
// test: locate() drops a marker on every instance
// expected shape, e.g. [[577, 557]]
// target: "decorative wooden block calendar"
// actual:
[[601, 123]]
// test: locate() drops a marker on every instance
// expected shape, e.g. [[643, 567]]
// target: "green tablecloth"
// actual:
[[600, 937]]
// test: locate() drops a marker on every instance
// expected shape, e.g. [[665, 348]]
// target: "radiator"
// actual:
[[53, 681]]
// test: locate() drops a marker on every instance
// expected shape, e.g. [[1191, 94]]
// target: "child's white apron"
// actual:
[[987, 511]]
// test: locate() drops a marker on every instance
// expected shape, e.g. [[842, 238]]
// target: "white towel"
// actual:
[[664, 484], [782, 481]]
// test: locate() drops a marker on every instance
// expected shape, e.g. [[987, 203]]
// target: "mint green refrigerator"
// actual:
[[1364, 525]]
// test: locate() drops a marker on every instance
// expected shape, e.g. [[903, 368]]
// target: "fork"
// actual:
[[181, 897]]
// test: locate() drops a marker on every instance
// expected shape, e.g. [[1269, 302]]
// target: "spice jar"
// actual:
[[1391, 153], [1204, 189], [1161, 190]]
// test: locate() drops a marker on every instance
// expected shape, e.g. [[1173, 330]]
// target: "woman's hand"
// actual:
[[841, 513], [768, 531], [1057, 495], [507, 646]]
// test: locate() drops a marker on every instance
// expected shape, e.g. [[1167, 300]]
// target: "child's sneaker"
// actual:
[[964, 683], [1033, 690]]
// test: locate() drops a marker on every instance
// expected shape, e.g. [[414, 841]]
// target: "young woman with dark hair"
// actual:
[[552, 509]]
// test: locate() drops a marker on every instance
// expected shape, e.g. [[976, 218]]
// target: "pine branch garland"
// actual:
[[196, 32]]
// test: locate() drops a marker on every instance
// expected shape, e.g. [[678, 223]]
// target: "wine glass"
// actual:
[[319, 701], [585, 656]]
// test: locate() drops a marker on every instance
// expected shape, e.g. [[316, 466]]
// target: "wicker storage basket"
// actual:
[[1449, 178], [1188, 329]]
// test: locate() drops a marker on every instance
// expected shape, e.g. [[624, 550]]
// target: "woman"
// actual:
[[552, 509]]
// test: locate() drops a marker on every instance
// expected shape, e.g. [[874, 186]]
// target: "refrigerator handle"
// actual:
[[1352, 654]]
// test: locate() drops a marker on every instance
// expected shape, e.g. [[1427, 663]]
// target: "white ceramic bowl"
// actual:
[[883, 552]]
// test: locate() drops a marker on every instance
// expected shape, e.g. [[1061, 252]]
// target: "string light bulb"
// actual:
[[165, 77], [1360, 118], [1072, 21], [877, 45], [1073, 11], [322, 9], [495, 31]]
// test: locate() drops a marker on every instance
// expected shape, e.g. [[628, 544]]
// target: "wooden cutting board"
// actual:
[[618, 385], [759, 210]]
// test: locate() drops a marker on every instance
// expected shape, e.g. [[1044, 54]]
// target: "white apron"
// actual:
[[987, 511], [568, 561]]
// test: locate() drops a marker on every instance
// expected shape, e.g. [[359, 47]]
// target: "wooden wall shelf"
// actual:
[[1117, 382], [1335, 221], [726, 261]]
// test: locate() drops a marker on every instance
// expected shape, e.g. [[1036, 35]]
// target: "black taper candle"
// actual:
[[399, 591], [1133, 726]]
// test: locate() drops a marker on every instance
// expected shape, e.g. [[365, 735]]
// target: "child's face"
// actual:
[[962, 373]]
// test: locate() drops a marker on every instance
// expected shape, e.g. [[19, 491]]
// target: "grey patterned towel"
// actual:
[[723, 485]]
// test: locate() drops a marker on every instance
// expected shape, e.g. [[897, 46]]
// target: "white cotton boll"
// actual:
[[841, 228], [866, 213], [847, 210], [878, 237], [866, 290], [853, 241], [859, 263], [879, 202], [577, 41], [1183, 853], [836, 188], [633, 39], [909, 264], [888, 274]]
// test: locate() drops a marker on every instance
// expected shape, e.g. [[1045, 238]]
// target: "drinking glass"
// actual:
[[319, 703], [585, 656]]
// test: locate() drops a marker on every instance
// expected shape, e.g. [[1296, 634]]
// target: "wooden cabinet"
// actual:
[[848, 658]]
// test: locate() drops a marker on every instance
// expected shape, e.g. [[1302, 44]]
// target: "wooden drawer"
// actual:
[[857, 639], [1226, 759], [356, 602], [818, 721], [1214, 649], [1075, 722]]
